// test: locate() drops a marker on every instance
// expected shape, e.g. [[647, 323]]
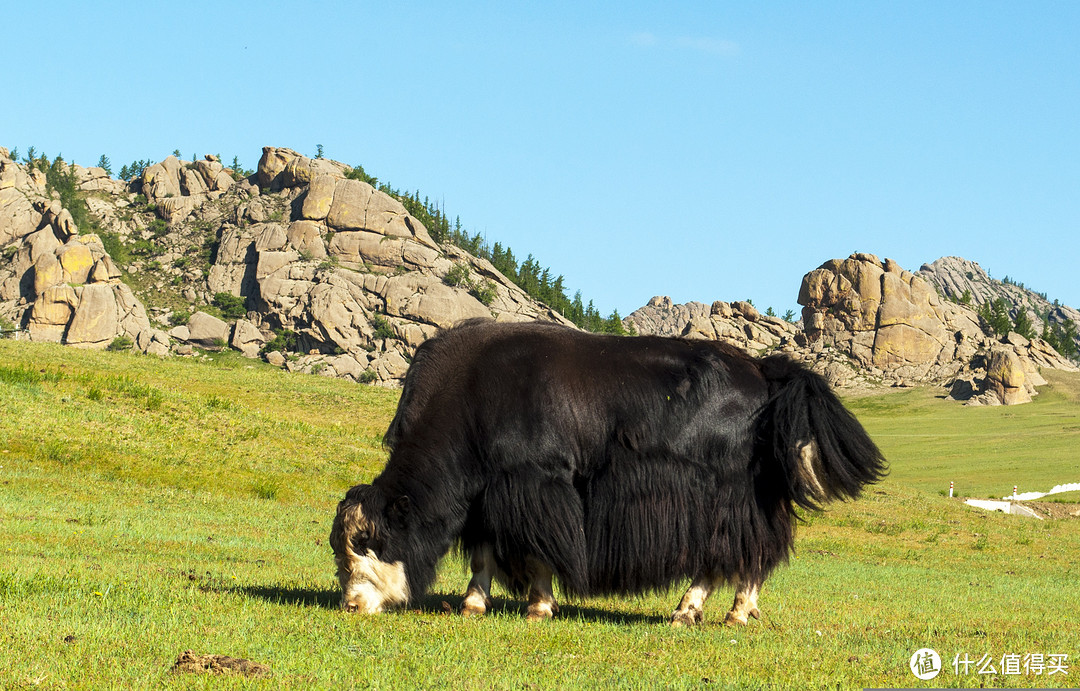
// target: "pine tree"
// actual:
[[1022, 324]]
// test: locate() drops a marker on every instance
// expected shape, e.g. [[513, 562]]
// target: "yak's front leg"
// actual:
[[692, 607], [478, 595], [542, 603], [745, 605]]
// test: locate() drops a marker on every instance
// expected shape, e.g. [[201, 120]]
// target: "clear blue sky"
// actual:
[[706, 151]]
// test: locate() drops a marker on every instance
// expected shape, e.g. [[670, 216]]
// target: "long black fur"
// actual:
[[624, 464]]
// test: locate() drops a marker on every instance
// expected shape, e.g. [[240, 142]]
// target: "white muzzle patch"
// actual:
[[373, 585]]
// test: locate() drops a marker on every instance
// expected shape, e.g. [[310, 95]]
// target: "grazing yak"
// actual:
[[616, 465]]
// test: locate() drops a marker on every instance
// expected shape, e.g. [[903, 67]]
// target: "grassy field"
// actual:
[[149, 507]]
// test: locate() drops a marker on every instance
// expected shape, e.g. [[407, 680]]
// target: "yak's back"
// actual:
[[442, 365]]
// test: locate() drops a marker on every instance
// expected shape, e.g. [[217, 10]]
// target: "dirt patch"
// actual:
[[219, 664], [1053, 509]]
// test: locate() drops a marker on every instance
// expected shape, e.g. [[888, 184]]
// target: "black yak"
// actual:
[[615, 465]]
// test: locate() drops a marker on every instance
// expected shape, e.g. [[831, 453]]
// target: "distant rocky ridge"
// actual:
[[868, 322], [337, 278]]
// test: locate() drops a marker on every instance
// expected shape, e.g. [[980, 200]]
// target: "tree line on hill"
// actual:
[[1061, 335], [536, 280]]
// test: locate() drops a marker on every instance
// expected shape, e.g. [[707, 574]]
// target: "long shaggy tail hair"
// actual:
[[825, 453]]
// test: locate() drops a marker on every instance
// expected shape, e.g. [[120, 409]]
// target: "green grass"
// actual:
[[186, 505], [985, 451]]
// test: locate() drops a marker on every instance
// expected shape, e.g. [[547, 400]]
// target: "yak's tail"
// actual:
[[824, 452]]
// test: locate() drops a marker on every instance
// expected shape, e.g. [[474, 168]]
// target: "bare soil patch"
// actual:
[[1052, 509]]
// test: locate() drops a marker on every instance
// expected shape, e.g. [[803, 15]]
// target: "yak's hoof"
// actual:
[[689, 617], [469, 609], [734, 618], [541, 612]]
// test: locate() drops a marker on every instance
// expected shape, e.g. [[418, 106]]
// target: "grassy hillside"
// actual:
[[148, 507]]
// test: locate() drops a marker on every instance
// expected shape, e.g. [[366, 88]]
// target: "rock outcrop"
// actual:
[[348, 270], [893, 324], [869, 323], [737, 322], [60, 285], [962, 280]]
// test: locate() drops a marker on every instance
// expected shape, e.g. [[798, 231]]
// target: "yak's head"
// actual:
[[364, 541]]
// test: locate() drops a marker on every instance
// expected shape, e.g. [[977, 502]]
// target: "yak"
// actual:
[[612, 464]]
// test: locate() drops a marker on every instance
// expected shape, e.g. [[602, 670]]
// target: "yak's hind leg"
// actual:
[[691, 608], [745, 605], [542, 603], [478, 595]]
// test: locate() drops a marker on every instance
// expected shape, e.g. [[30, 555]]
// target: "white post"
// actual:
[[1014, 491], [950, 490]]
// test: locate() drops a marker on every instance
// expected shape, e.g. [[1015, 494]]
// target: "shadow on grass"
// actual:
[[298, 597], [440, 603], [443, 604]]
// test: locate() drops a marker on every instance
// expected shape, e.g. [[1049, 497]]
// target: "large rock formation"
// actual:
[[330, 269], [57, 284], [348, 270], [893, 324], [869, 323]]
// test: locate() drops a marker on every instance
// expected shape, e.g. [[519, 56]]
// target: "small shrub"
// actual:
[[10, 252], [484, 292], [158, 227], [368, 376], [284, 340], [121, 342], [116, 248], [179, 317], [457, 275], [95, 394], [231, 306], [383, 328]]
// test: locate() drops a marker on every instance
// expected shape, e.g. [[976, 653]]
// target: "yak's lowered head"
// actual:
[[362, 537]]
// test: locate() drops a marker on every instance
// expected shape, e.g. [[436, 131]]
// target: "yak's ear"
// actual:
[[398, 511]]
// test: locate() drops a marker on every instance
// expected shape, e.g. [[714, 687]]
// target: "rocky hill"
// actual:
[[964, 281], [326, 273]]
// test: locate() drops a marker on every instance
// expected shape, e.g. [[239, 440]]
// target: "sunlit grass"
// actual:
[[186, 505]]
